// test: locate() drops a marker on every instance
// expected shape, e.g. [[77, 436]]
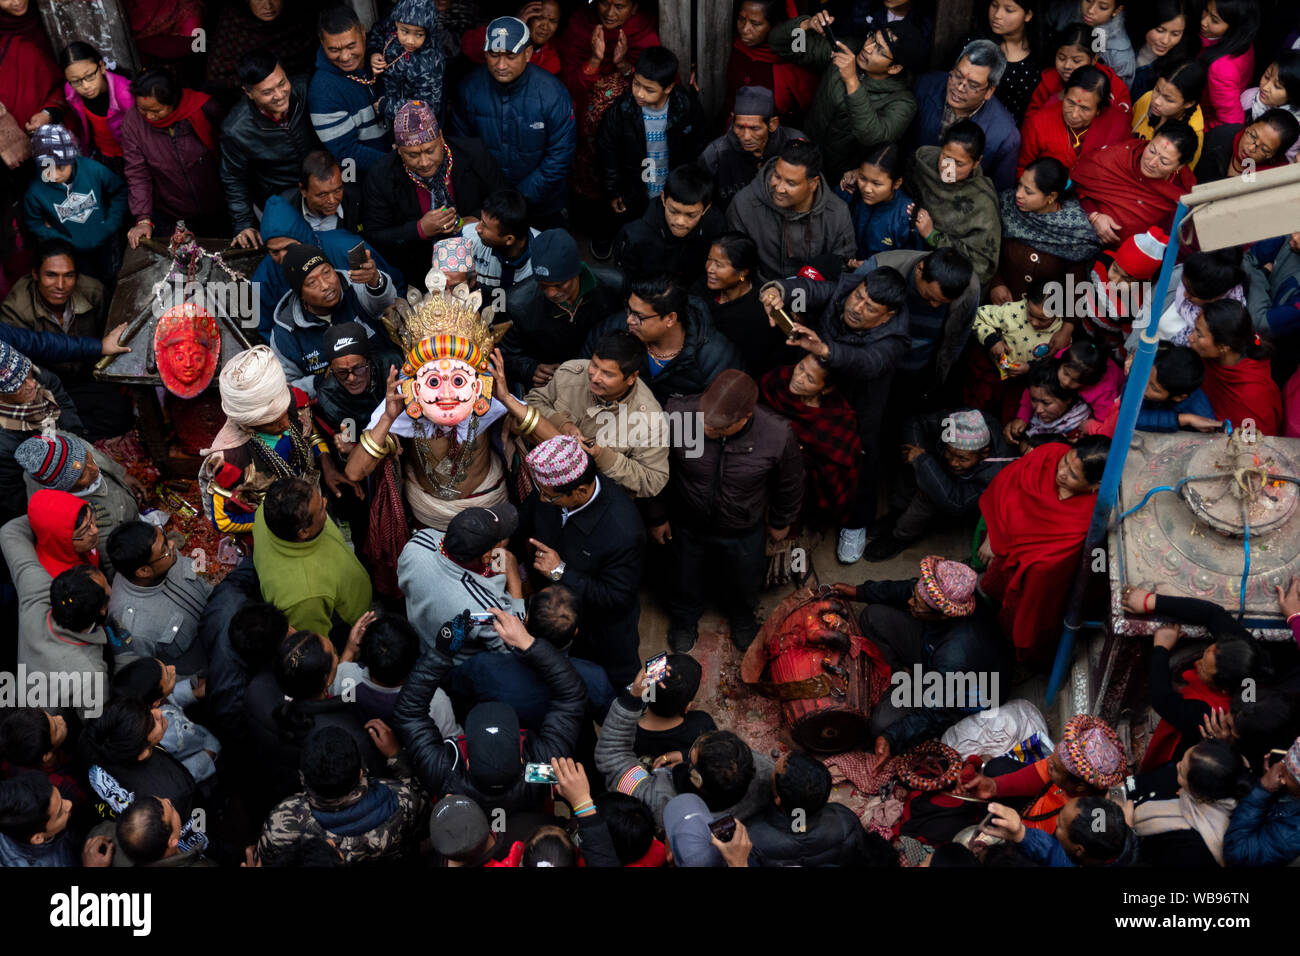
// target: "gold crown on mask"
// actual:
[[444, 325]]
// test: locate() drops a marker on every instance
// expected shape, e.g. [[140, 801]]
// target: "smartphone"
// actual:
[[656, 668], [357, 256], [830, 35], [482, 617], [783, 321], [540, 773], [724, 829]]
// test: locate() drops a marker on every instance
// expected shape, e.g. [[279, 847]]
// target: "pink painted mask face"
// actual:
[[447, 390]]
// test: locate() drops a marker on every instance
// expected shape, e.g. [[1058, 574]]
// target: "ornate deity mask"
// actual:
[[187, 347], [447, 375], [447, 391]]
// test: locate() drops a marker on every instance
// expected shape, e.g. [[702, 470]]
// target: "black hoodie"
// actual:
[[705, 353], [646, 247]]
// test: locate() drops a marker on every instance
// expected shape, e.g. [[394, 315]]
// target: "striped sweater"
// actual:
[[343, 113]]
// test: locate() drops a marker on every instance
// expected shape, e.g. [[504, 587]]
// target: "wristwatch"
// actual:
[[556, 572]]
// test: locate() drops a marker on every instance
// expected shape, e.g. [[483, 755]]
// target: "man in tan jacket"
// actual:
[[603, 403]]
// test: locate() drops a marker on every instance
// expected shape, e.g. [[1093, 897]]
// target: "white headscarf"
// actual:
[[254, 390]]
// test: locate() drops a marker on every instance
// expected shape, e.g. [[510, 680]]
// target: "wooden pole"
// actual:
[[101, 23], [713, 50], [951, 24], [676, 27], [366, 12]]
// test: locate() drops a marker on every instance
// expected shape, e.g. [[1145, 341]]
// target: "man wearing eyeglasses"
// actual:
[[863, 98], [347, 393], [684, 351], [967, 93]]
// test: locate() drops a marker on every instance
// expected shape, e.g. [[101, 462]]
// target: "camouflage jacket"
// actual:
[[378, 820]]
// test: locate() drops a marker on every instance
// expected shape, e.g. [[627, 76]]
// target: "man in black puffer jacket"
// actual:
[[684, 350], [490, 768], [263, 140], [802, 828]]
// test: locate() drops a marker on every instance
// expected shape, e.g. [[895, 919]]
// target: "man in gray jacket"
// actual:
[[158, 597], [790, 211], [728, 776]]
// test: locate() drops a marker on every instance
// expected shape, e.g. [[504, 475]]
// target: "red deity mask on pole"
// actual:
[[187, 347]]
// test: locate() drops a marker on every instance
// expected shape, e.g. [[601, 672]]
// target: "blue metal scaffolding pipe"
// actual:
[[1108, 493]]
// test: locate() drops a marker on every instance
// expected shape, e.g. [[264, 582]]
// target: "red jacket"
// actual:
[[1109, 180], [30, 81], [1044, 133], [1051, 85]]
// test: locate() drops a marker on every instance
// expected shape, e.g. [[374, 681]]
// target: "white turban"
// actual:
[[254, 390]]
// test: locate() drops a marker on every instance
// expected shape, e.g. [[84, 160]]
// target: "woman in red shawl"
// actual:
[[753, 63], [598, 52], [1128, 188], [65, 530], [826, 428], [1238, 374], [169, 144], [31, 83], [1074, 124], [1038, 510]]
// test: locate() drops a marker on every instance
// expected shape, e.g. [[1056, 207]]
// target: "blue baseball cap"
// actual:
[[506, 35], [686, 827]]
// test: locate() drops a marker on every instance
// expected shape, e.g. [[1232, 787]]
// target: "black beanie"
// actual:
[[298, 263]]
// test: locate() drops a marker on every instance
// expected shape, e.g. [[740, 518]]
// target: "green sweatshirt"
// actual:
[[310, 580], [845, 126]]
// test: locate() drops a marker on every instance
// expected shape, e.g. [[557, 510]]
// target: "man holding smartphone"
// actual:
[[319, 297], [1265, 827]]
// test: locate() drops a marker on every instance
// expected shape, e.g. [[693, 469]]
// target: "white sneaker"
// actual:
[[853, 541]]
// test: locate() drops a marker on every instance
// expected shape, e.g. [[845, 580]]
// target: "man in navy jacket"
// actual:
[[967, 93], [588, 534], [524, 116]]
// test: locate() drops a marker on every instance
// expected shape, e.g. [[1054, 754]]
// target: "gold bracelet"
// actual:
[[529, 424], [373, 450]]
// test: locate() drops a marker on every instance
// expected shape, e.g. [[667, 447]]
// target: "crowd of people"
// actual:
[[537, 338]]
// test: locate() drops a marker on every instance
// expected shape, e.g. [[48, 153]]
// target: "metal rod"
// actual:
[[1130, 405]]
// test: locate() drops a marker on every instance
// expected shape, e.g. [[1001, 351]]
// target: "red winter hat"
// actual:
[[1140, 255]]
